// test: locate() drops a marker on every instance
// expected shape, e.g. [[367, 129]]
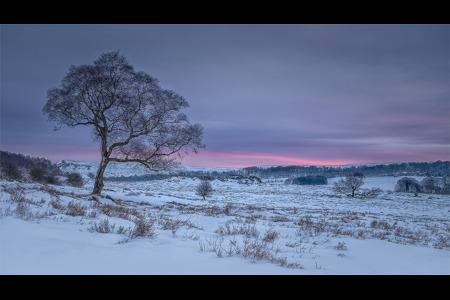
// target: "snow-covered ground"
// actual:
[[267, 228]]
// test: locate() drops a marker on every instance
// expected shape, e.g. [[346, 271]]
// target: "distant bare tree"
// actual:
[[131, 116], [430, 185], [350, 184], [204, 189], [446, 185]]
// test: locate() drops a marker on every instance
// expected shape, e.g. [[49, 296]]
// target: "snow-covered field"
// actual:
[[163, 227]]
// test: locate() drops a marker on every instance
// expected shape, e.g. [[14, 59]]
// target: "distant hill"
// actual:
[[88, 169], [138, 172], [113, 170]]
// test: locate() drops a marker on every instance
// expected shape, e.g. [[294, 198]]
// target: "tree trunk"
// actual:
[[98, 184]]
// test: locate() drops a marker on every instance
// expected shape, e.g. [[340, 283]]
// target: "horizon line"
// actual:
[[282, 165]]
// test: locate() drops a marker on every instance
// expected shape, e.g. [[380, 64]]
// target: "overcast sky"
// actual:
[[265, 94]]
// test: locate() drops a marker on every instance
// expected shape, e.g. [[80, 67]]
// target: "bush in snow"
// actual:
[[17, 195], [307, 180], [204, 189], [23, 211], [143, 228], [75, 208], [41, 175], [103, 226], [75, 179], [432, 185], [408, 185], [10, 170]]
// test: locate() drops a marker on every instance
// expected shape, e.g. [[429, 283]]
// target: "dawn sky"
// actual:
[[265, 94]]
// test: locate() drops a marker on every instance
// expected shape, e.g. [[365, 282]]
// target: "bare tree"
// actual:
[[131, 116], [430, 185], [204, 189], [350, 184]]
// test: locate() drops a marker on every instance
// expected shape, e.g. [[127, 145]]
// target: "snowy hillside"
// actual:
[[113, 170], [122, 169]]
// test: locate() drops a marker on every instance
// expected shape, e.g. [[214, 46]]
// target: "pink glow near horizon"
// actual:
[[201, 159], [207, 158], [240, 160]]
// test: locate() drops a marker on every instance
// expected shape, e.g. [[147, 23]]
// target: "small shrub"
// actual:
[[214, 246], [270, 235], [92, 214], [167, 223], [10, 170], [204, 189], [37, 174], [75, 179], [57, 204], [251, 248], [382, 224], [75, 208], [123, 230], [117, 211], [340, 246], [51, 179], [23, 211], [17, 196], [103, 226], [143, 228], [40, 175], [255, 249], [248, 230]]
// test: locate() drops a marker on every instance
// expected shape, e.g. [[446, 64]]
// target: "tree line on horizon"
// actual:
[[426, 169], [437, 169]]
